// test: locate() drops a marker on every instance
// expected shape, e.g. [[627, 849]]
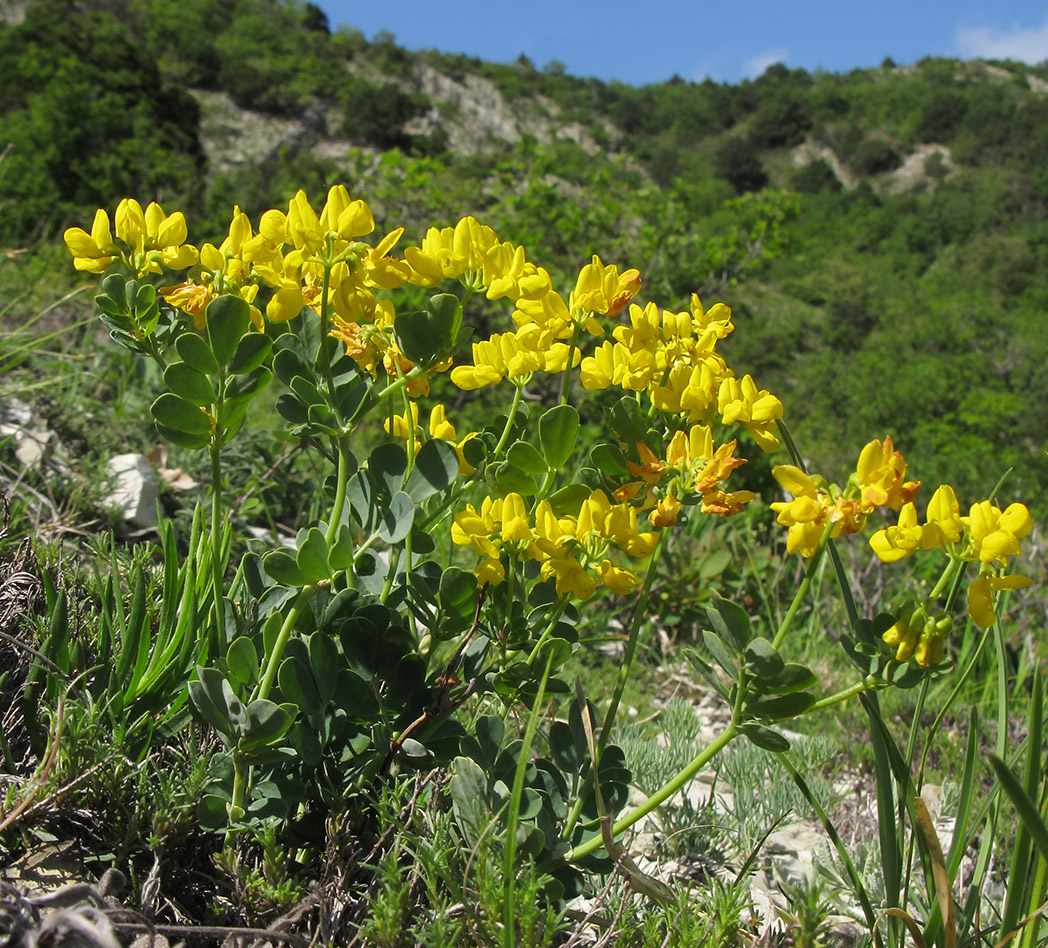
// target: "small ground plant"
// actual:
[[415, 628]]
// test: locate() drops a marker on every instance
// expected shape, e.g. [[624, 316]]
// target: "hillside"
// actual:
[[880, 235]]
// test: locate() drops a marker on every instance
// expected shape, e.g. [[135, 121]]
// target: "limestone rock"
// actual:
[[134, 489]]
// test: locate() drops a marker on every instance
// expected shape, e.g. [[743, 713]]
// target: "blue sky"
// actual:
[[645, 41]]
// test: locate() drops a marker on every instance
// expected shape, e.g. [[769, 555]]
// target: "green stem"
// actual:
[[519, 390], [402, 382], [409, 423], [639, 613], [802, 589], [217, 562], [510, 850], [947, 573], [661, 795], [241, 773], [857, 689], [558, 611], [565, 385], [325, 306], [340, 491], [264, 686], [965, 675]]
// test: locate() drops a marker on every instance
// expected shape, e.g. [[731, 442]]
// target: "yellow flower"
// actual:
[[157, 240], [981, 606], [94, 252], [398, 424], [944, 519], [740, 402], [602, 289], [900, 540], [995, 534], [441, 428], [919, 635], [881, 473]]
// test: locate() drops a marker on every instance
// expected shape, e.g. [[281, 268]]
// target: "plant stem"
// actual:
[[565, 385], [340, 491], [661, 795], [802, 589], [639, 612], [217, 563], [510, 849], [518, 392], [857, 689], [264, 685]]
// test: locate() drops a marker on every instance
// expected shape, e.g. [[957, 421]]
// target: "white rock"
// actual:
[[134, 489], [31, 439]]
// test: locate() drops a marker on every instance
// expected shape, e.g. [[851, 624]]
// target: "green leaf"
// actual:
[[242, 661], [510, 479], [180, 415], [457, 595], [397, 518], [196, 353], [730, 622], [116, 289], [251, 352], [713, 564], [558, 432], [289, 360], [436, 467], [213, 697], [793, 677], [340, 554], [240, 389], [387, 464], [627, 423], [227, 320], [182, 439], [763, 660], [312, 558], [782, 706], [567, 501], [297, 684], [283, 567], [728, 661], [527, 458], [266, 723], [291, 408], [189, 384], [608, 459], [469, 793], [765, 737], [1021, 800], [324, 661], [559, 649]]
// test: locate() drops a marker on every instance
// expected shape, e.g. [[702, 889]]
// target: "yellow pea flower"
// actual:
[[901, 539], [881, 473], [398, 424], [981, 606], [94, 252], [740, 402], [602, 289]]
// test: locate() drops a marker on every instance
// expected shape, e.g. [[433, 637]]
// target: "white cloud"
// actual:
[[756, 65], [1023, 44]]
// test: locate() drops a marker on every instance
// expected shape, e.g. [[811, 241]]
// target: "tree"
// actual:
[[737, 162]]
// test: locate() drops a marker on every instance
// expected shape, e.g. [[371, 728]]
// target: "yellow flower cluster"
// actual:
[[988, 536], [304, 258], [150, 241], [439, 428], [879, 481], [543, 319], [672, 357], [571, 549]]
